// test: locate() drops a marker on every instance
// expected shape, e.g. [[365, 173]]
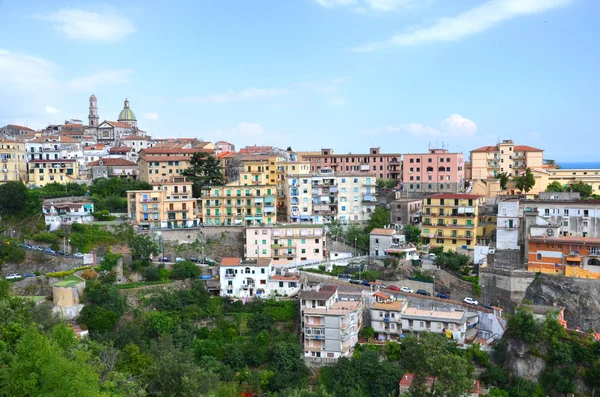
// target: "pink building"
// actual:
[[387, 166], [433, 172], [223, 147]]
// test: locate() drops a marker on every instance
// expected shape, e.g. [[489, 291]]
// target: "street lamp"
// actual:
[[434, 284], [355, 246]]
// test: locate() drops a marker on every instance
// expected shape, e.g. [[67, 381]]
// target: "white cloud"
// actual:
[[475, 20], [536, 135], [250, 94], [458, 125], [388, 5], [335, 3], [338, 101], [362, 6], [151, 116], [106, 25], [248, 129], [103, 78], [51, 110]]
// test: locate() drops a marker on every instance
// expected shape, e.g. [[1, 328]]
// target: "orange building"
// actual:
[[568, 256]]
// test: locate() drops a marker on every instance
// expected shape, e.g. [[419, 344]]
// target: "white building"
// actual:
[[330, 326], [507, 225], [286, 244], [382, 240], [254, 278], [58, 213], [52, 147]]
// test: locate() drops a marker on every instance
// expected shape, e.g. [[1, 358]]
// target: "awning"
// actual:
[[573, 258], [254, 218], [333, 189], [269, 208], [294, 217], [258, 199], [368, 197], [269, 199], [304, 216], [88, 207]]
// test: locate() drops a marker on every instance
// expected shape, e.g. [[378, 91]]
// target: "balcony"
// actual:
[[229, 275], [282, 246], [369, 198]]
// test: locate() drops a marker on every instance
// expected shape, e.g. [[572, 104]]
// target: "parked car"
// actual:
[[60, 252], [194, 259], [78, 255], [470, 301], [37, 248], [423, 292], [393, 288], [344, 276], [407, 290], [366, 283], [50, 251], [13, 276], [26, 246], [179, 259], [443, 296], [488, 307], [164, 259], [358, 282], [29, 275]]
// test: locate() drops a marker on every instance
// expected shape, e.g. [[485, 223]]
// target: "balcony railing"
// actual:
[[229, 275]]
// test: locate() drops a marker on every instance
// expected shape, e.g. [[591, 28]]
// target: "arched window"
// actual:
[[294, 192], [247, 270], [429, 169], [593, 262], [539, 257]]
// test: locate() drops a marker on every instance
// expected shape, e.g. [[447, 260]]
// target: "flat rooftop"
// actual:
[[69, 281], [432, 314], [339, 308]]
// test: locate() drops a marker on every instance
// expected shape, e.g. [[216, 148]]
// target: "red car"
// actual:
[[393, 288]]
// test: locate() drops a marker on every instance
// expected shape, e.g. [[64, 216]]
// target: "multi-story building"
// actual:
[[42, 172], [168, 205], [13, 131], [381, 240], [451, 220], [405, 211], [330, 325], [435, 172], [507, 224], [52, 147], [60, 212], [223, 147], [286, 244], [387, 166], [112, 168], [321, 197], [235, 204], [137, 142], [489, 161], [14, 161], [154, 169], [569, 256], [243, 279]]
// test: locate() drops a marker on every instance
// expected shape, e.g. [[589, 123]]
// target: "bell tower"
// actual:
[[93, 116]]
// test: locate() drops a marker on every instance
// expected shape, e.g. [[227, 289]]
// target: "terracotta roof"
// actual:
[[120, 149], [283, 278], [54, 138], [53, 161], [455, 196], [225, 142], [71, 126], [67, 133], [516, 148], [230, 261], [20, 127], [384, 232], [160, 150], [112, 162], [381, 295], [225, 154], [117, 124], [164, 158], [98, 146], [564, 240], [135, 138]]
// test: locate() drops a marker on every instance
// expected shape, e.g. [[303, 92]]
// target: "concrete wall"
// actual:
[[504, 288], [230, 241]]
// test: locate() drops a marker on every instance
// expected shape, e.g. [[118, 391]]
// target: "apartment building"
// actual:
[[155, 169], [112, 168], [42, 172], [437, 171], [405, 211], [489, 161], [13, 131], [137, 142], [326, 195], [387, 166], [53, 147], [234, 204], [61, 212], [381, 240], [565, 177], [286, 244], [451, 220], [14, 162], [568, 256], [508, 222], [330, 326], [168, 205], [244, 279]]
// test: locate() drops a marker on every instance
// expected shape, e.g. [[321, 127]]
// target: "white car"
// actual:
[[78, 255], [470, 301], [179, 260], [407, 290], [13, 276]]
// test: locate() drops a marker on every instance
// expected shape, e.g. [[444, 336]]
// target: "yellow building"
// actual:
[[14, 161], [169, 205], [489, 161], [157, 169], [42, 172], [565, 177], [451, 220]]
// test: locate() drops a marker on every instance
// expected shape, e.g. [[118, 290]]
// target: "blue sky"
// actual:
[[346, 74]]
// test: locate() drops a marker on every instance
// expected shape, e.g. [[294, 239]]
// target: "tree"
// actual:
[[526, 181], [13, 198], [335, 228], [355, 233], [583, 189], [380, 217], [142, 247], [503, 177], [109, 261], [390, 183], [185, 269], [555, 187], [289, 149], [205, 170], [412, 233], [380, 183]]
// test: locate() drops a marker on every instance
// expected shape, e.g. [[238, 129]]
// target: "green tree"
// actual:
[[390, 183], [109, 261], [380, 217], [205, 170], [356, 234], [583, 189], [185, 269], [98, 319], [335, 228], [143, 247], [13, 198], [412, 233], [503, 177], [555, 187], [380, 183], [526, 181], [288, 366]]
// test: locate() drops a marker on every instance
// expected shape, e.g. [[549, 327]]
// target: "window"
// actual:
[[565, 223], [566, 212], [262, 271], [539, 257]]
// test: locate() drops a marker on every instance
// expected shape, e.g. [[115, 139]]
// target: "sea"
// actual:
[[579, 165]]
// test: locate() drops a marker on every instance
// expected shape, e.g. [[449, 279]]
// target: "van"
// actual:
[[179, 260]]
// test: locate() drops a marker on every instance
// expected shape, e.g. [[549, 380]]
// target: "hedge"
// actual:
[[66, 272]]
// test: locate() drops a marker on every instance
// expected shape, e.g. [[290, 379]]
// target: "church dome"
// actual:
[[126, 114]]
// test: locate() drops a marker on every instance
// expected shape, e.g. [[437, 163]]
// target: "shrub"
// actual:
[[185, 269], [89, 274], [66, 272], [45, 237]]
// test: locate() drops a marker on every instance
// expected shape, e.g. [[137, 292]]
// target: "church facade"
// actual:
[[109, 132]]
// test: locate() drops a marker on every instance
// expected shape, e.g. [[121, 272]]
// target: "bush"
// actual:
[[185, 269], [89, 274], [103, 215], [66, 272], [11, 253], [143, 284], [45, 237]]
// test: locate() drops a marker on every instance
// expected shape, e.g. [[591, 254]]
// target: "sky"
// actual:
[[403, 75]]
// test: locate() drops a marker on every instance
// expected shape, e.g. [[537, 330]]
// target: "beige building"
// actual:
[[68, 291], [286, 244], [42, 172], [156, 169], [490, 161], [168, 205], [14, 161]]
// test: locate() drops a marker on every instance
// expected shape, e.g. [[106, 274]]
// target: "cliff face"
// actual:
[[579, 297], [521, 362]]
